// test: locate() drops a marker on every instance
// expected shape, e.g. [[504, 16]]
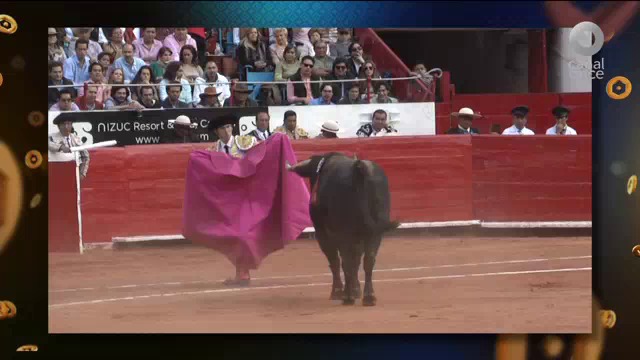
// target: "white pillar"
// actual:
[[568, 71]]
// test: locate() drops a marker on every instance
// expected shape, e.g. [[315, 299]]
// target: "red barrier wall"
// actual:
[[63, 210], [138, 190]]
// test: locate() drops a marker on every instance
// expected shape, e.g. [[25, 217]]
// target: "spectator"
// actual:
[[303, 93], [147, 47], [172, 100], [199, 34], [117, 77], [106, 60], [241, 97], [341, 46], [353, 96], [76, 68], [165, 55], [128, 63], [269, 95], [330, 36], [64, 139], [289, 66], [191, 70], [341, 72], [421, 70], [116, 42], [262, 132], [121, 100], [369, 71], [213, 46], [56, 49], [291, 128], [177, 40], [144, 76], [280, 46], [383, 95], [173, 72], [163, 33], [465, 117], [97, 78], [325, 99], [88, 100], [561, 114], [149, 100], [211, 76], [93, 48], [209, 98], [183, 131], [329, 130], [315, 35], [323, 64], [356, 58], [519, 114], [65, 101], [56, 79], [301, 41], [379, 126], [253, 52]]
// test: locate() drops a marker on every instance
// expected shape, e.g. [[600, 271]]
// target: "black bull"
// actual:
[[350, 209]]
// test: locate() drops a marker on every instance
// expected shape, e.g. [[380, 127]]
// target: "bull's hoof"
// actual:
[[357, 292], [369, 300], [348, 301], [336, 294]]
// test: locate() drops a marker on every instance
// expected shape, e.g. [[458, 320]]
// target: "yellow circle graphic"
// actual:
[[10, 194], [1, 79], [632, 184], [7, 310], [36, 118], [8, 25], [33, 159], [619, 88], [636, 250]]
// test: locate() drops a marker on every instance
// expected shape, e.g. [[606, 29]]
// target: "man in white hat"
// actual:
[[183, 131], [465, 117], [329, 130]]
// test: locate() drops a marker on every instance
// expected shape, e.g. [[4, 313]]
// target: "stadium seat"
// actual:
[[258, 76]]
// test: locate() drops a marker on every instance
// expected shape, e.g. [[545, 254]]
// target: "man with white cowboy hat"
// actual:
[[329, 130], [183, 131], [465, 117], [65, 138], [209, 98]]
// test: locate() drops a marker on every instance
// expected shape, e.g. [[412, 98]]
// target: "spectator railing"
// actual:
[[393, 84]]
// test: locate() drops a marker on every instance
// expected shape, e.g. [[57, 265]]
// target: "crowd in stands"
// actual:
[[319, 66]]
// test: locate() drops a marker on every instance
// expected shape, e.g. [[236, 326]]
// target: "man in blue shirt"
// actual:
[[76, 68], [325, 99], [129, 64]]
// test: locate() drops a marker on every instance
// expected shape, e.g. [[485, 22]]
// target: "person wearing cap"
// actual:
[[561, 114], [234, 145], [183, 131], [262, 132], [519, 114], [241, 97], [291, 128], [379, 126], [465, 117], [209, 98], [56, 51], [65, 138], [329, 130]]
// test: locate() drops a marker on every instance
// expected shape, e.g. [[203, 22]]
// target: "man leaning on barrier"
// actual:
[[64, 139]]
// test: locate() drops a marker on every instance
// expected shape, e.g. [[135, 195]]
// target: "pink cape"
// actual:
[[245, 208]]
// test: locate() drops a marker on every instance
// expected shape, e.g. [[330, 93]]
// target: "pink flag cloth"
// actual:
[[245, 208]]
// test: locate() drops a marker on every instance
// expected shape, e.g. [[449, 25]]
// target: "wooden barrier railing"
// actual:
[[138, 190]]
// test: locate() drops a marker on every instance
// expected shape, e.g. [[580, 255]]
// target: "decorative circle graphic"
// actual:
[[10, 194], [632, 184], [619, 88], [35, 201], [35, 118], [33, 159], [636, 250]]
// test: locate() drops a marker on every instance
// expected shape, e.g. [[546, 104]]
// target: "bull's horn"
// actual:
[[355, 157], [288, 166]]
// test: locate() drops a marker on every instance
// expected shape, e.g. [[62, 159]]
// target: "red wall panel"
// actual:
[[138, 190]]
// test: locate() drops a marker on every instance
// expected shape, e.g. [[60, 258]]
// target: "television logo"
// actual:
[[580, 41]]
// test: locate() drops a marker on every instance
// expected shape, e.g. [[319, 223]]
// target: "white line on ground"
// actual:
[[324, 274], [213, 291]]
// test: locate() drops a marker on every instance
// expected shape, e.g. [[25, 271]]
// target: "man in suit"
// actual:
[[465, 117], [262, 132], [519, 114], [561, 114]]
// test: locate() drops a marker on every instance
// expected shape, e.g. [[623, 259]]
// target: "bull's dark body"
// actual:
[[350, 215]]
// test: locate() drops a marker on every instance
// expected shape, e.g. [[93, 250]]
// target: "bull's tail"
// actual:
[[368, 200]]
